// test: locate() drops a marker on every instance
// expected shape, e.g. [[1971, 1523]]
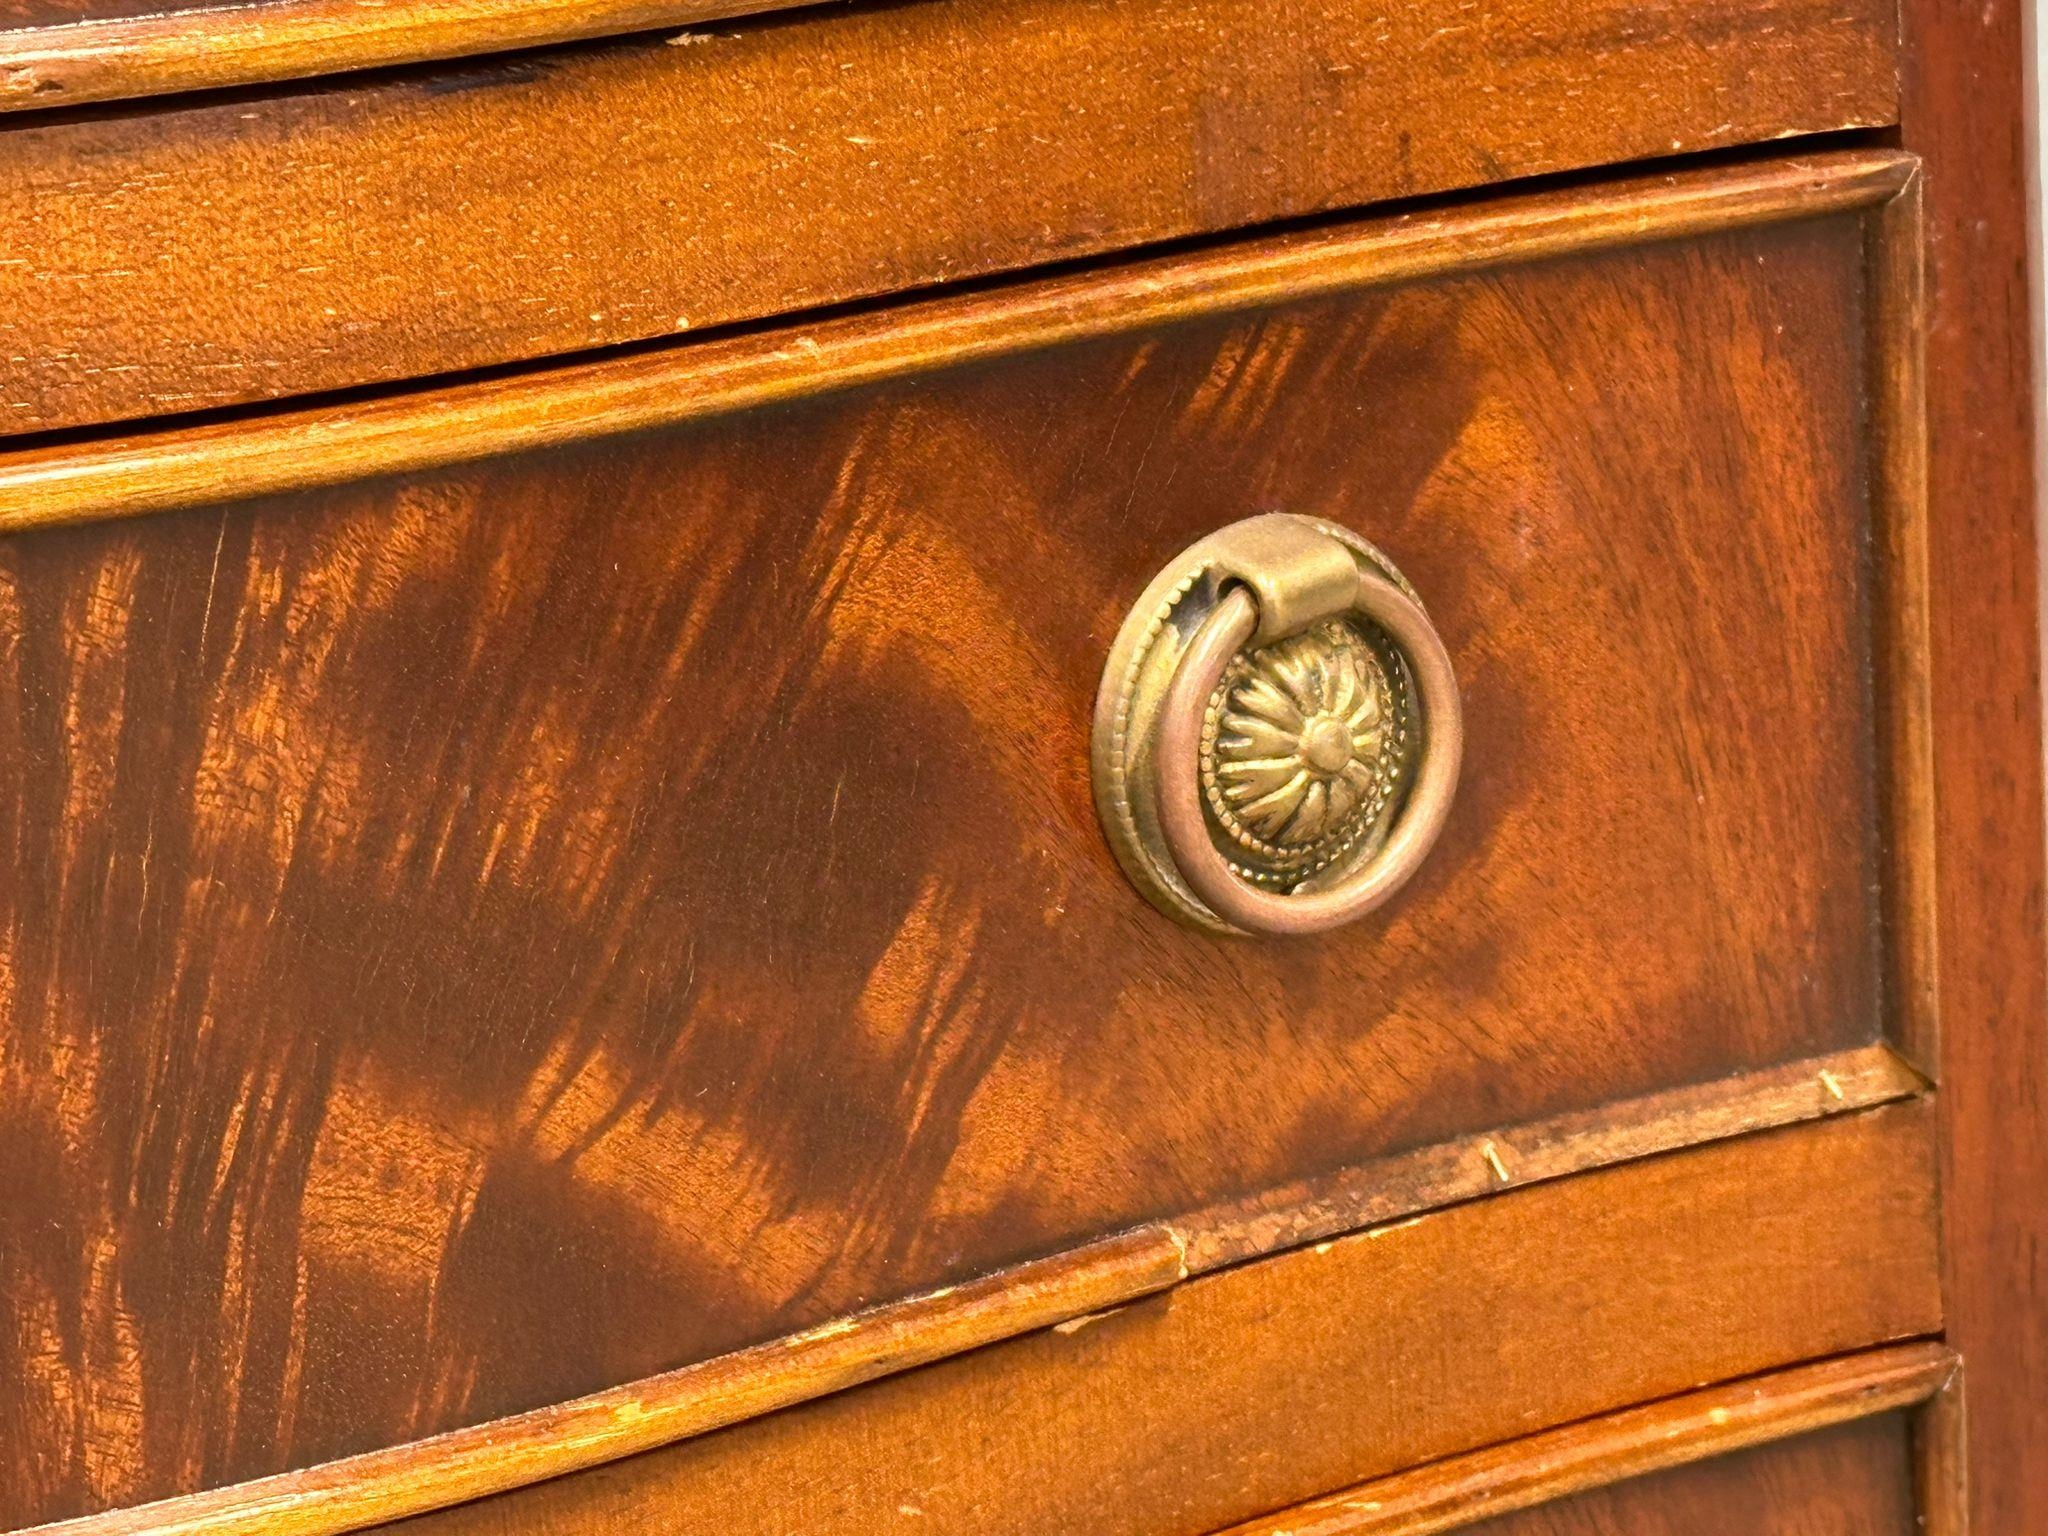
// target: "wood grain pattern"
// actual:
[[1496, 1482], [1906, 678], [1613, 1270], [549, 1442], [1851, 1481], [461, 952], [624, 1421], [1969, 112], [1941, 1461], [380, 230], [1254, 1388], [432, 428]]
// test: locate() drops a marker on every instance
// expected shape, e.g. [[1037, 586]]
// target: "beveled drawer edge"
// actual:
[[1409, 1183], [257, 42], [1897, 345], [1067, 1289], [550, 406], [1518, 1474]]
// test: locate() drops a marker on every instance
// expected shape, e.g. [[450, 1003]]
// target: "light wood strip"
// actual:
[[382, 1485], [1388, 1188], [1536, 1469], [196, 48], [327, 445]]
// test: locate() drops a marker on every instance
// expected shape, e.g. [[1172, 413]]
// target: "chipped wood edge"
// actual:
[[1406, 1184], [1898, 479], [1539, 1468], [466, 1464], [306, 447], [261, 42]]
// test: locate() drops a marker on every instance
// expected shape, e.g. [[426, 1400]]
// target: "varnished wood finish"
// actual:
[[553, 1441], [1851, 1481], [1259, 1386], [378, 230], [434, 901], [328, 445], [57, 53], [624, 1421], [1300, 1211], [1906, 685], [525, 878], [1538, 1469], [1941, 1461], [477, 909], [1968, 111]]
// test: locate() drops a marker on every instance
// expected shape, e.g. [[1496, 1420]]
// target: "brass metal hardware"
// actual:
[[1278, 734]]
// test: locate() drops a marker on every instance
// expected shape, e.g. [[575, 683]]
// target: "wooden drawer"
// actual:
[[1853, 1479], [1494, 1349], [377, 228], [591, 870]]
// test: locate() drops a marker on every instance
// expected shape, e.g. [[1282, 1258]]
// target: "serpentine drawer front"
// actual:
[[529, 884], [222, 249]]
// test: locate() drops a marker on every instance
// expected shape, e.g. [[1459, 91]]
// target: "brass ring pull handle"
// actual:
[[1278, 734]]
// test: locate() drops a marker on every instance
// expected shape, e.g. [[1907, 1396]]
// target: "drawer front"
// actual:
[[379, 228], [489, 933], [1433, 1345], [1853, 1481]]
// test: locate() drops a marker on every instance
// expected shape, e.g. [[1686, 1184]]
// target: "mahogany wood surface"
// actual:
[[1855, 1480], [1353, 1355], [548, 1442], [457, 943], [620, 1421], [1596, 1453], [483, 938], [1968, 111], [1379, 1189], [1941, 1457], [56, 53], [1256, 1387], [378, 229], [465, 946]]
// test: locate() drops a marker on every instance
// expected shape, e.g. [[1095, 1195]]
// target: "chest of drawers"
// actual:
[[607, 777]]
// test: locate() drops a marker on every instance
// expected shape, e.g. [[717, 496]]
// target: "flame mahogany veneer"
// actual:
[[550, 905]]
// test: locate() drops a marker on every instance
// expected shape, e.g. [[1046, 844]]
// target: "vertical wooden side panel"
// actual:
[[1965, 114]]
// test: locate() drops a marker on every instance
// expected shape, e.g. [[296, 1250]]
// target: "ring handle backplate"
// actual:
[[1278, 734]]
